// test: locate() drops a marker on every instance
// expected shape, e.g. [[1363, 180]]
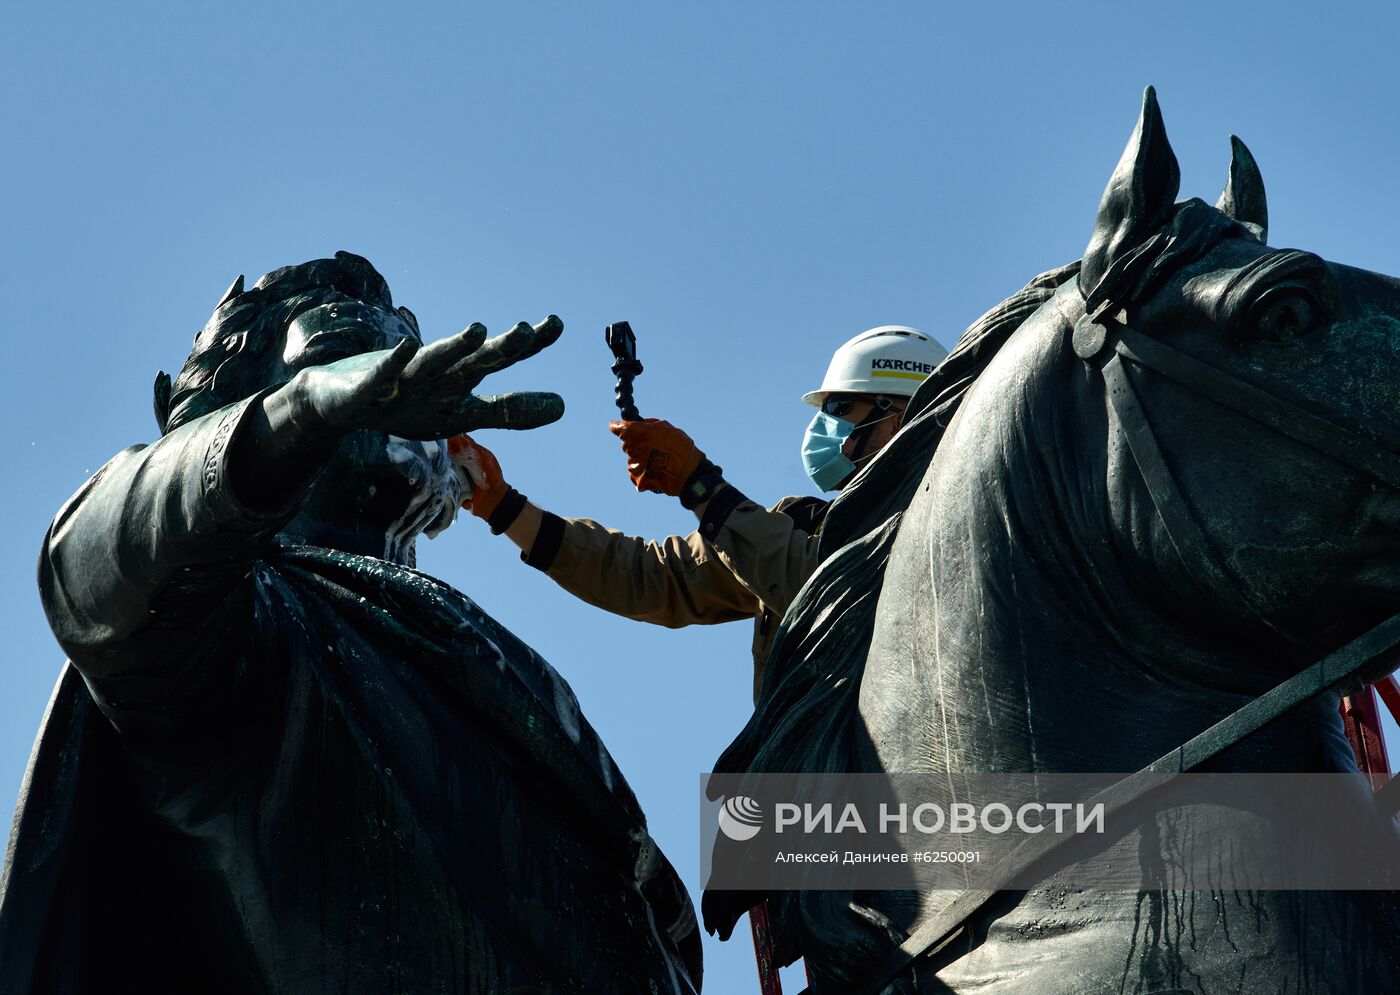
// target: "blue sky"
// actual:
[[748, 184]]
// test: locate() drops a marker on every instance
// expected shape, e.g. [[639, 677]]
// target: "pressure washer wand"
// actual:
[[625, 367]]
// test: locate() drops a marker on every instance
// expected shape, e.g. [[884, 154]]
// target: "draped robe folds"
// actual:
[[276, 768]]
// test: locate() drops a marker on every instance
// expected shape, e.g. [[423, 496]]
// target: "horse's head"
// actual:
[[1253, 394]]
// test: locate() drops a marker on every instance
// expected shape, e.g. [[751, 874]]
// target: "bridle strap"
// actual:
[[1186, 534], [1368, 455], [1359, 450]]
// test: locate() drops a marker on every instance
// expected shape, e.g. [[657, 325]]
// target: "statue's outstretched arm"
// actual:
[[140, 570], [411, 392]]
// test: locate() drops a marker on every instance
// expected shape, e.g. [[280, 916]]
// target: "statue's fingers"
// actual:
[[519, 343], [548, 331], [519, 409], [383, 379], [445, 353], [499, 352]]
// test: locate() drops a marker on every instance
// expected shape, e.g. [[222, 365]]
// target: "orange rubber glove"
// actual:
[[660, 457], [488, 486]]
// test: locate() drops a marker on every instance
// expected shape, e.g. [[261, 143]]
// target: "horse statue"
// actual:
[[1139, 495]]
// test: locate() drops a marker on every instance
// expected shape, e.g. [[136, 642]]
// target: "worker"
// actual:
[[744, 561]]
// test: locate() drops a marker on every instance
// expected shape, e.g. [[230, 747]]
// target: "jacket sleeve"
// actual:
[[141, 571], [764, 548], [675, 582]]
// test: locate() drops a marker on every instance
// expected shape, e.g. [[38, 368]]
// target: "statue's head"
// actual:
[[378, 492]]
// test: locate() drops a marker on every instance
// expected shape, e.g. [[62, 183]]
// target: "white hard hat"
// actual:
[[891, 359]]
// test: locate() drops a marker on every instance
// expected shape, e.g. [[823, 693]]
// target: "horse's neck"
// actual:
[[1019, 628]]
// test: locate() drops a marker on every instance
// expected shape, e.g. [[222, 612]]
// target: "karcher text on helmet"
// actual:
[[890, 359]]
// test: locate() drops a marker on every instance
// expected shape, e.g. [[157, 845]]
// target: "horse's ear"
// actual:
[[1243, 197], [1139, 197]]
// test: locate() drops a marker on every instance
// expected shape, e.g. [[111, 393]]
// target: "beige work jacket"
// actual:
[[752, 567]]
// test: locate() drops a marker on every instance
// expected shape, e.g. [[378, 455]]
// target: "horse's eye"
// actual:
[[1283, 314]]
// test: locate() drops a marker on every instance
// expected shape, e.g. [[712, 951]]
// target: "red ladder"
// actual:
[[768, 981], [1361, 718]]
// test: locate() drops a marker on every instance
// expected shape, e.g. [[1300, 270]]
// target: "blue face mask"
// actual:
[[822, 457]]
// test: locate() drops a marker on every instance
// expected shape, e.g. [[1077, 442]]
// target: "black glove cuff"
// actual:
[[701, 485], [719, 509], [506, 511]]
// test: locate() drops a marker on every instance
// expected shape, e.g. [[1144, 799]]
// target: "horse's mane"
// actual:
[[808, 658], [887, 483], [805, 717]]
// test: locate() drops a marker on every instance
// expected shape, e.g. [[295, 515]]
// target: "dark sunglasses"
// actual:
[[839, 407]]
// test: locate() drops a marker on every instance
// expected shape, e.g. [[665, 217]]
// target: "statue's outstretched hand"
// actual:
[[426, 392]]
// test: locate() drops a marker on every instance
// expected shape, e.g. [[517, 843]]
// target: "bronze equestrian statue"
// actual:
[[283, 760], [1138, 495]]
